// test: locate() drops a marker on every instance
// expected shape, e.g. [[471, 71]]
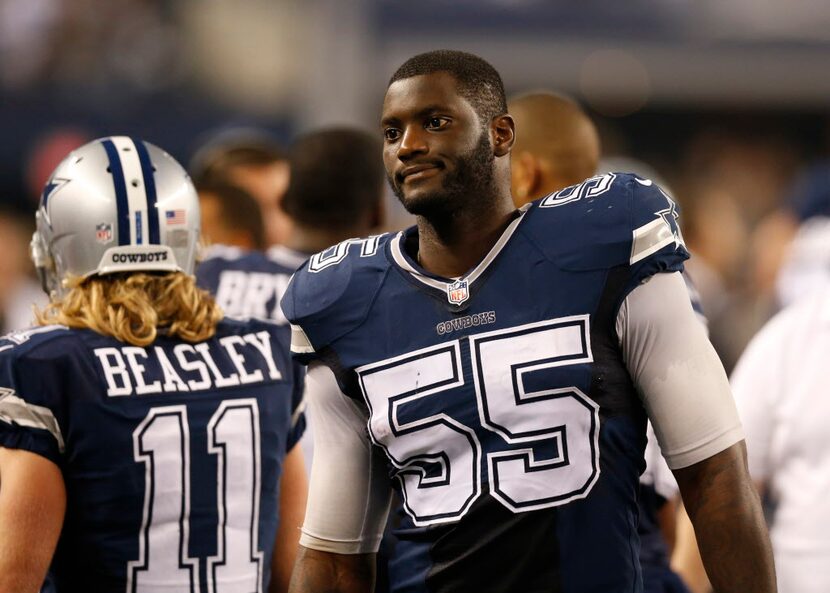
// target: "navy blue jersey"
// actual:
[[658, 577], [654, 550], [171, 454], [248, 283], [511, 426]]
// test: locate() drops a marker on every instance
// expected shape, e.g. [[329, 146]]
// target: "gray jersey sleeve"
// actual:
[[349, 493], [677, 372]]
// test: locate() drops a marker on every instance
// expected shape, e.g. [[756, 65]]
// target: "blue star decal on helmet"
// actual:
[[54, 184]]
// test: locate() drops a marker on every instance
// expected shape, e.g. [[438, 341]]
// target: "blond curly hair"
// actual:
[[134, 307]]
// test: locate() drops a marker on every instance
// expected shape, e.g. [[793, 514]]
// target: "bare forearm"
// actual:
[[293, 495], [736, 558], [32, 504], [729, 524], [685, 560], [324, 572]]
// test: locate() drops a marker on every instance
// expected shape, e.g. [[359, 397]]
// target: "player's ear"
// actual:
[[503, 130]]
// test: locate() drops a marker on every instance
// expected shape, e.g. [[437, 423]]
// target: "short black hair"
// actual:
[[478, 82], [240, 210], [336, 177], [214, 160]]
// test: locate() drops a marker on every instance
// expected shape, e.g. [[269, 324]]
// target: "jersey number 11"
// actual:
[[162, 443]]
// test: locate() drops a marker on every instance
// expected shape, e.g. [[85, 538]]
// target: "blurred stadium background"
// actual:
[[728, 101]]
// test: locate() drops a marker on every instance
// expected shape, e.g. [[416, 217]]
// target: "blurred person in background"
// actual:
[[733, 177], [255, 162], [235, 269], [230, 216], [336, 188], [780, 386], [19, 290], [335, 193], [557, 145], [717, 236], [804, 265], [137, 423]]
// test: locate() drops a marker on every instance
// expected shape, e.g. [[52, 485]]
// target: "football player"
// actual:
[[245, 281], [140, 431], [497, 366]]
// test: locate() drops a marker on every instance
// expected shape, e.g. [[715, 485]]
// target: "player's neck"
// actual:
[[450, 248]]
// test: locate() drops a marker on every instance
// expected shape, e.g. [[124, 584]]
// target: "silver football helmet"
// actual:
[[116, 204]]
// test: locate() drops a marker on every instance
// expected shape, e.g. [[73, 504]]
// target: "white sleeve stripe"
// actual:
[[300, 344], [650, 238], [15, 410]]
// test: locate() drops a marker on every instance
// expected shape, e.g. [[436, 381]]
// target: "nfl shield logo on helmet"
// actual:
[[457, 292], [103, 232]]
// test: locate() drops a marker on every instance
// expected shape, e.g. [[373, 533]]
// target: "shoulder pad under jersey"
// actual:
[[331, 294], [32, 388], [606, 221], [18, 343]]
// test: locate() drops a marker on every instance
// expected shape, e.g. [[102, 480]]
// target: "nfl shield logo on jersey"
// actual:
[[103, 232], [457, 292]]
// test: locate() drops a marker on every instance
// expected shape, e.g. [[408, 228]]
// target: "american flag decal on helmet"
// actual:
[[174, 216]]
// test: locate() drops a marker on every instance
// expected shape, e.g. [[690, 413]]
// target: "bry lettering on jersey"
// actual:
[[252, 294], [132, 370], [248, 284]]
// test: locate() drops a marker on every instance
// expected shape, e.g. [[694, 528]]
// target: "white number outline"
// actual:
[[142, 564], [590, 188], [134, 567], [522, 398], [383, 419], [337, 253], [411, 465], [216, 447]]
